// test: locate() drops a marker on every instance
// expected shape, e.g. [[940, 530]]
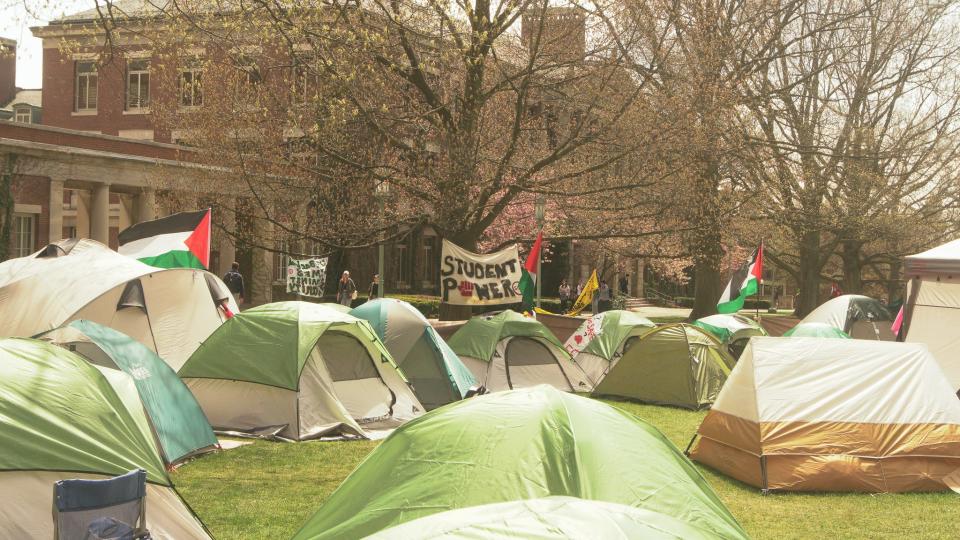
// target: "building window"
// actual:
[[403, 264], [23, 237], [191, 94], [305, 79], [69, 232], [280, 260], [138, 84], [249, 71], [429, 264], [86, 86], [23, 115]]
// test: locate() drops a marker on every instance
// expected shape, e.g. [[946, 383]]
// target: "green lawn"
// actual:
[[267, 490]]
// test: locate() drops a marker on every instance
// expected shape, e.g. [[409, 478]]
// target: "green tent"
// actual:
[[298, 370], [517, 445], [64, 417], [177, 419], [508, 350], [733, 330], [600, 340], [676, 364], [436, 373], [548, 518], [816, 329]]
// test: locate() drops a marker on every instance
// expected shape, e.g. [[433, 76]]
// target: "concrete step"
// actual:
[[634, 303]]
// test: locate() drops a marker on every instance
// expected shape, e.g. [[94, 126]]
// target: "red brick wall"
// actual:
[[28, 132], [29, 189], [58, 98], [8, 73]]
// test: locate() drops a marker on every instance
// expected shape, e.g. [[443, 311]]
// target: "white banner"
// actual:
[[306, 277], [584, 335], [468, 278]]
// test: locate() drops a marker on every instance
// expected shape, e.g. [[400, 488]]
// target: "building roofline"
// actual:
[[79, 133]]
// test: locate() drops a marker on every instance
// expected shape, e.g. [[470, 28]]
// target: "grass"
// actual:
[[267, 490]]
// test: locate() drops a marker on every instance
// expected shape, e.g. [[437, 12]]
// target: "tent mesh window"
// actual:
[[346, 358], [524, 351]]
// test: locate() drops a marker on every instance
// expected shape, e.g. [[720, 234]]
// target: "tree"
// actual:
[[854, 127]]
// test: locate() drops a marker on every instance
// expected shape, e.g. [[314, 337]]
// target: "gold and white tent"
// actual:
[[808, 414]]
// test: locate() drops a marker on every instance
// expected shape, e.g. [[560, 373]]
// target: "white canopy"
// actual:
[[943, 259]]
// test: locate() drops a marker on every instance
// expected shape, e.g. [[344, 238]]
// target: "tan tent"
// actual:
[[171, 311], [931, 311], [811, 414]]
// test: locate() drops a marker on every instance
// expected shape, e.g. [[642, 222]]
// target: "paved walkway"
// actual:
[[656, 311]]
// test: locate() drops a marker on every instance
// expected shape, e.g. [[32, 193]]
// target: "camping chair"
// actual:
[[115, 508]]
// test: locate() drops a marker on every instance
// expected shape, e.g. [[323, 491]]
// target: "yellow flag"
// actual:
[[586, 295]]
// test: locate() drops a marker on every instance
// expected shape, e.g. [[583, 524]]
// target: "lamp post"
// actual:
[[382, 194], [540, 213]]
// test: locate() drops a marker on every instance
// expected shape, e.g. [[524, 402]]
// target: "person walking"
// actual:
[[374, 291], [233, 279], [579, 287], [346, 289], [564, 292]]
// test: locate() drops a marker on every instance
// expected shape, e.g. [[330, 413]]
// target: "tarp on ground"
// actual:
[[177, 419], [548, 518], [435, 371], [517, 445], [811, 414], [64, 417]]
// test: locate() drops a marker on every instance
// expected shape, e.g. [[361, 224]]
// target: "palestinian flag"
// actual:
[[178, 241], [528, 278], [743, 283]]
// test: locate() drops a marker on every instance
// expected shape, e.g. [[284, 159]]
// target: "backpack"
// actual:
[[233, 281]]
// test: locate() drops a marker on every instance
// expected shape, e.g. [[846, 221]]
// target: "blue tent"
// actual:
[[436, 373]]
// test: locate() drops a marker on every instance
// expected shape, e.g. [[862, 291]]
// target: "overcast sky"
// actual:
[[16, 18]]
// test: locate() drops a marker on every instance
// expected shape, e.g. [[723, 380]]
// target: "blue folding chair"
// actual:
[[114, 509]]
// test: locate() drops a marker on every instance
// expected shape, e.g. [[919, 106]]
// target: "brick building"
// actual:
[[95, 101]]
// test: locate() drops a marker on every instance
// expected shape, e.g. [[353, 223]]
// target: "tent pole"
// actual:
[[686, 451]]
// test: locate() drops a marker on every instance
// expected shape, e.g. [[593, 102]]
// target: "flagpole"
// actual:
[[539, 214], [756, 301]]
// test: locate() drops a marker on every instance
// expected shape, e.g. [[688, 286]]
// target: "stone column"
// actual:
[[261, 290], [147, 205], [227, 245], [56, 210], [100, 214]]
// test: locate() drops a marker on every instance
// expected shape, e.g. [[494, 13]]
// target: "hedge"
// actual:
[[749, 303]]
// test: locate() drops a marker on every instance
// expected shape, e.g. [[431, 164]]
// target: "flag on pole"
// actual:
[[178, 241], [528, 278], [743, 283], [585, 298]]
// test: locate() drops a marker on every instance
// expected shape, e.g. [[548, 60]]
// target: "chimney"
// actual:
[[8, 70], [562, 33]]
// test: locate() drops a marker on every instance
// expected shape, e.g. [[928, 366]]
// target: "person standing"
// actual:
[[233, 279], [579, 287], [374, 291], [604, 296], [564, 292], [346, 289], [624, 284]]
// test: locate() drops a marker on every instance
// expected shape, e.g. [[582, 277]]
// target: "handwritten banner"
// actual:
[[468, 278]]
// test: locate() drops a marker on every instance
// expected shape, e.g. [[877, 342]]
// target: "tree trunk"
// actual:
[[852, 267], [895, 286], [706, 285], [6, 203], [809, 273]]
